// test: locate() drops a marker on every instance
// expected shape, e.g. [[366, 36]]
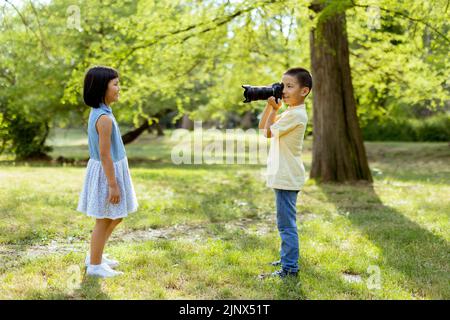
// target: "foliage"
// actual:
[[434, 128], [193, 56]]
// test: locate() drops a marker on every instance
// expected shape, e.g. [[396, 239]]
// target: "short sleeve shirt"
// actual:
[[285, 169]]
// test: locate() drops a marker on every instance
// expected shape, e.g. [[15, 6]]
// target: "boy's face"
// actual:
[[293, 93]]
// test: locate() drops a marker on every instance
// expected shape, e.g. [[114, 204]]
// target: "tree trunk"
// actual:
[[157, 127], [338, 148], [187, 123], [246, 120], [134, 134]]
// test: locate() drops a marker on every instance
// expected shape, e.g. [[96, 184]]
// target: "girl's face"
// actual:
[[112, 92], [293, 93]]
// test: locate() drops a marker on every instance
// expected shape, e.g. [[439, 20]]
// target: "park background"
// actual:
[[373, 218]]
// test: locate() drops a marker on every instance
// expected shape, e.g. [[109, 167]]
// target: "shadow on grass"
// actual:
[[303, 287], [423, 177], [410, 162], [312, 282], [89, 289], [210, 197], [421, 256], [310, 277]]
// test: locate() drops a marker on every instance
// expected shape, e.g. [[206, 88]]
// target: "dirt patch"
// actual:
[[11, 255]]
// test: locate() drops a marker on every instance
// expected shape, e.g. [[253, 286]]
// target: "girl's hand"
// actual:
[[114, 194], [271, 101]]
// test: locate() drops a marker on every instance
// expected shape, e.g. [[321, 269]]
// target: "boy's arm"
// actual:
[[265, 115], [270, 119]]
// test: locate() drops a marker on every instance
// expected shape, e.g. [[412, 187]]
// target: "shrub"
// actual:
[[435, 128]]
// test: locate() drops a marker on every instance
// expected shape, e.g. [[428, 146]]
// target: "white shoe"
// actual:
[[110, 262], [102, 271]]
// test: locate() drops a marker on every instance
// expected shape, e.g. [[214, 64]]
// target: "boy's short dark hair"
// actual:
[[302, 75], [96, 83]]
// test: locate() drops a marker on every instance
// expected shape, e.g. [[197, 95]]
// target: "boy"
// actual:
[[285, 170]]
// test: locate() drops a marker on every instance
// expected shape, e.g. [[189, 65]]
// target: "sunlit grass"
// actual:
[[399, 227]]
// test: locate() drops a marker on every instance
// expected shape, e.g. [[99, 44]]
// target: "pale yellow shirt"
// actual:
[[285, 169]]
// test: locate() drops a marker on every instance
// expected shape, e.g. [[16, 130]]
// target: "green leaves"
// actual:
[[398, 63], [193, 56]]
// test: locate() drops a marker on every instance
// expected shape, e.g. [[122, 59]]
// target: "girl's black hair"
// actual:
[[96, 83]]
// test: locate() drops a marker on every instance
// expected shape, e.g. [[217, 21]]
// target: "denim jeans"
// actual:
[[286, 201]]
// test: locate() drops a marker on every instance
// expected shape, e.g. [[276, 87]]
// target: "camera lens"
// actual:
[[253, 93]]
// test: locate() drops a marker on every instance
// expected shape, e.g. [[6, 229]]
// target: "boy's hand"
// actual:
[[271, 101]]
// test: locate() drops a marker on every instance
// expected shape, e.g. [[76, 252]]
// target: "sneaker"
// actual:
[[284, 273], [110, 262], [102, 271], [279, 274]]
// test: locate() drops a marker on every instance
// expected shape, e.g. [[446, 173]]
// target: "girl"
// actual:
[[108, 194]]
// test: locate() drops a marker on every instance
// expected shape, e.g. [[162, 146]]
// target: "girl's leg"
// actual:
[[98, 240], [111, 227]]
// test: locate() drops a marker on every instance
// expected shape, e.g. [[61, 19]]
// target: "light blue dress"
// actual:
[[94, 196]]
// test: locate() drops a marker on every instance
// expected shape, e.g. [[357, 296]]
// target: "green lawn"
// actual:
[[207, 231]]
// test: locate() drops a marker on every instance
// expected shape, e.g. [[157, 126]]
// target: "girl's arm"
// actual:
[[104, 128]]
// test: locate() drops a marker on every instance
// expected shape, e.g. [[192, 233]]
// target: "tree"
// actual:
[[31, 73], [190, 58], [338, 149]]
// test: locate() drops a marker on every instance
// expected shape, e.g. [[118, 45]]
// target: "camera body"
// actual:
[[252, 93]]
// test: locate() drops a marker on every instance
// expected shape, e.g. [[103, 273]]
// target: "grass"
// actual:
[[217, 230]]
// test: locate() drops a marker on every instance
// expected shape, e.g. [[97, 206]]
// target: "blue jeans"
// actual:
[[286, 201]]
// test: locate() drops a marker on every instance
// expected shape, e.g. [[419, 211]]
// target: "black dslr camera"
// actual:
[[263, 93]]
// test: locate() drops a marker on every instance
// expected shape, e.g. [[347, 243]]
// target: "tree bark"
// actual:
[[187, 123], [157, 127], [134, 134], [246, 120], [338, 149]]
